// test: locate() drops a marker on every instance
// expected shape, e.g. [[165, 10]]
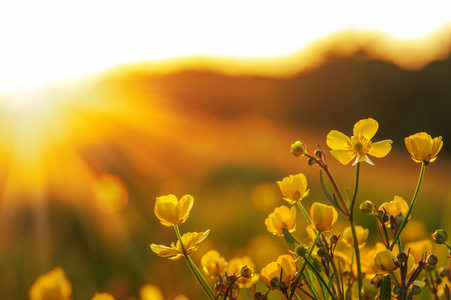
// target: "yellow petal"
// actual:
[[184, 207], [343, 156], [337, 140], [380, 149], [366, 127], [437, 145]]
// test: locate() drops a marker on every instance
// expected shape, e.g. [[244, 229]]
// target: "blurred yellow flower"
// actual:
[[213, 264], [191, 241], [285, 264], [323, 216], [52, 285], [344, 149], [395, 207], [170, 211], [293, 188], [384, 262], [102, 296], [282, 217], [362, 235], [423, 148], [419, 248], [180, 297], [368, 266], [150, 292], [235, 266]]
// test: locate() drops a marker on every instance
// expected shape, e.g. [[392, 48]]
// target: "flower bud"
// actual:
[[301, 250], [246, 272], [369, 291], [366, 207], [430, 268], [399, 218], [385, 218], [321, 252], [311, 161], [440, 236], [298, 149], [416, 290], [432, 259], [275, 282], [444, 272], [258, 296], [438, 280], [402, 257], [396, 290], [319, 154], [333, 239]]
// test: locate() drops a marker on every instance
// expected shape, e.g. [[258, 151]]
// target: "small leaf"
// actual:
[[292, 242], [385, 289], [348, 294], [447, 292]]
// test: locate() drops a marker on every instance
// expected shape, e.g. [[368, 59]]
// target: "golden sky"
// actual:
[[52, 40]]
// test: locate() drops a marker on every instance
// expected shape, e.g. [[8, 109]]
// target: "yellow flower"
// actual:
[[235, 266], [213, 264], [367, 260], [52, 285], [362, 235], [282, 217], [385, 262], [419, 248], [191, 241], [285, 264], [345, 149], [170, 211], [423, 148], [293, 188], [102, 296], [395, 207], [323, 216], [150, 292]]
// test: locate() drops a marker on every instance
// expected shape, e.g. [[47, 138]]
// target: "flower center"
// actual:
[[359, 144]]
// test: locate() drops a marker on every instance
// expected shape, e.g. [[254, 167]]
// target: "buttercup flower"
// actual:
[[419, 248], [52, 285], [345, 149], [423, 148], [282, 217], [323, 216], [213, 264], [284, 264], [293, 188], [150, 292], [102, 296], [170, 211], [395, 207], [235, 266], [362, 235], [385, 262], [191, 241]]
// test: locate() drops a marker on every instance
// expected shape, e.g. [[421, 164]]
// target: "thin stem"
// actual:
[[304, 212], [318, 275], [414, 199], [193, 267], [354, 233], [309, 254]]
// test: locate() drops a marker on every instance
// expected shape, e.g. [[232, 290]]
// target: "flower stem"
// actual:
[[304, 212], [193, 267], [414, 199], [354, 233]]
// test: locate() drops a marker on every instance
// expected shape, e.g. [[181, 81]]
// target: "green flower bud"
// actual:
[[438, 280], [319, 154], [385, 218], [416, 290], [366, 207], [275, 282], [430, 268], [402, 257], [432, 259], [298, 149], [311, 162], [301, 250], [333, 239], [399, 218], [444, 272], [396, 290], [246, 272], [440, 236], [321, 252]]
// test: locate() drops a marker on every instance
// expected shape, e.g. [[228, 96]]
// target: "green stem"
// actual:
[[309, 254], [193, 267], [414, 199], [318, 275], [354, 233], [448, 246], [304, 212]]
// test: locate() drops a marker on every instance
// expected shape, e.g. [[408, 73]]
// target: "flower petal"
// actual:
[[337, 140], [380, 149], [437, 145], [343, 156], [366, 127]]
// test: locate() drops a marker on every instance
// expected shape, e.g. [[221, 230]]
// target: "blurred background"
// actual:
[[104, 107]]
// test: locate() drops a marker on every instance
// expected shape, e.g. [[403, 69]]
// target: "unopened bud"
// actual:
[[396, 290], [430, 268], [440, 236], [402, 257], [369, 291], [275, 282], [366, 207], [385, 218], [258, 296], [246, 272], [321, 252], [416, 290], [301, 250], [432, 259], [312, 161], [319, 154], [399, 218], [298, 149], [438, 280], [444, 272], [333, 239]]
